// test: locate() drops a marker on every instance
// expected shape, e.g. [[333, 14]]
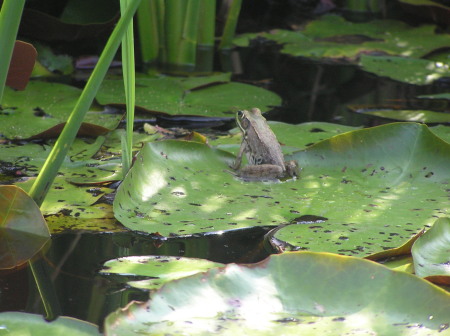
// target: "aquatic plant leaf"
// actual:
[[159, 269], [174, 95], [430, 252], [42, 106], [423, 116], [299, 293], [23, 231], [377, 187], [335, 38], [18, 323], [442, 131], [405, 69], [71, 200]]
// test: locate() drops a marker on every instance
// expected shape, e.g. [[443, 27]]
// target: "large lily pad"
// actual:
[[298, 293], [182, 96], [431, 252], [43, 106], [23, 231], [378, 187], [405, 69], [15, 323]]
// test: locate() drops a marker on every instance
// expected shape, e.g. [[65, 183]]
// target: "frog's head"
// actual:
[[245, 118]]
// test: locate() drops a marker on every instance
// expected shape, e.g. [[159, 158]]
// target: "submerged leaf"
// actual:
[[299, 293]]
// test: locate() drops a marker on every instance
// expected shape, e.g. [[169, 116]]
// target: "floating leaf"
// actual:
[[23, 229], [405, 69], [335, 38], [297, 293], [431, 252], [160, 269], [43, 106], [16, 323], [175, 96], [378, 187], [423, 116]]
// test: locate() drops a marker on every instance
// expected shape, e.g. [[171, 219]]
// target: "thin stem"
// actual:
[[50, 169], [230, 24]]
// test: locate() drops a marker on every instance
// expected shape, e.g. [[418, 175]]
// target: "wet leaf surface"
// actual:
[[291, 294], [216, 97], [43, 106], [431, 253], [423, 116], [378, 187], [23, 231], [409, 70], [17, 323], [159, 269]]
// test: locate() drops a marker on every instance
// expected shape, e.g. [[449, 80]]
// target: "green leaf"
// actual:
[[431, 252], [333, 37], [42, 106], [423, 116], [23, 231], [15, 323], [175, 95], [405, 69], [160, 269], [299, 293], [377, 187]]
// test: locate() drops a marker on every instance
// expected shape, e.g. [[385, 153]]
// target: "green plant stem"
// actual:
[[230, 24], [206, 23], [148, 31], [10, 15], [59, 151], [181, 19], [129, 78]]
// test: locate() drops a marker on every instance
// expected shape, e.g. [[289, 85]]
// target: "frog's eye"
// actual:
[[240, 114]]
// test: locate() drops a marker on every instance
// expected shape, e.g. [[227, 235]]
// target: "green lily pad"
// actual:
[[23, 231], [297, 136], [297, 293], [442, 131], [15, 323], [179, 96], [423, 116], [42, 106], [333, 37], [160, 269], [431, 252], [64, 197], [405, 69], [378, 187]]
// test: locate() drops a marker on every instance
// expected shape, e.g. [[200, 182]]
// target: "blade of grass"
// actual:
[[10, 15], [129, 79], [59, 151]]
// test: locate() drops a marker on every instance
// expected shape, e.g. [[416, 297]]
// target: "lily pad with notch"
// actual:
[[297, 293], [378, 187]]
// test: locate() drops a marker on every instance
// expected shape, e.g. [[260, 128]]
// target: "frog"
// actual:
[[262, 149]]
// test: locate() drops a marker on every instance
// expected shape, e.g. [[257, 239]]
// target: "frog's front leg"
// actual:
[[238, 161]]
